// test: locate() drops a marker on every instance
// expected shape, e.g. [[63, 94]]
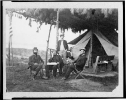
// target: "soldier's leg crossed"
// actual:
[[69, 70], [39, 67]]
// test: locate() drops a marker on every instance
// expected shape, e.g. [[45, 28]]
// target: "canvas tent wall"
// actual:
[[101, 45]]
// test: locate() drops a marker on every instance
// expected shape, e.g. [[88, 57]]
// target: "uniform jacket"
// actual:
[[64, 43], [35, 59], [80, 62], [56, 58]]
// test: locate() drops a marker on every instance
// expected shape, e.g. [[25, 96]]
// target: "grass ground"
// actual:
[[23, 83]]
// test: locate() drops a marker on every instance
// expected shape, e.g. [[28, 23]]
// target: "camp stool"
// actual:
[[80, 73]]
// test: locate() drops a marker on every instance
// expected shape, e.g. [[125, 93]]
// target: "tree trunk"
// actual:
[[48, 45], [57, 27]]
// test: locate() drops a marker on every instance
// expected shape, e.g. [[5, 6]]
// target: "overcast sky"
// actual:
[[25, 36]]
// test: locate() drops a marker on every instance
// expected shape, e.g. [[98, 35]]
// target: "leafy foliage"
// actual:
[[76, 19]]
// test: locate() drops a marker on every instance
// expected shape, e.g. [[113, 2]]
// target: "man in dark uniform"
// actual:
[[35, 62], [79, 63], [62, 47], [56, 58]]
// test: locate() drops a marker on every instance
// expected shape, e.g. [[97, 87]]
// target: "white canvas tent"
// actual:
[[108, 47]]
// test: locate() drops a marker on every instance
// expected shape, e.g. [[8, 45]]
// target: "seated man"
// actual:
[[70, 60], [56, 58], [79, 63], [35, 62]]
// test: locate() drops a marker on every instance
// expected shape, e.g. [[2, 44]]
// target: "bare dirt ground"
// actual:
[[18, 80]]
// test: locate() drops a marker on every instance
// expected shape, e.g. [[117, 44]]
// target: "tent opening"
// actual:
[[97, 48]]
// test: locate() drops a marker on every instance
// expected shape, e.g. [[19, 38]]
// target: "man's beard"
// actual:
[[35, 53]]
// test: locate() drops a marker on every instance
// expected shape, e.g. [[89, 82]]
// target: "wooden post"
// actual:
[[91, 46], [11, 48], [91, 43], [48, 45], [10, 34], [9, 52], [57, 27], [50, 53], [90, 57]]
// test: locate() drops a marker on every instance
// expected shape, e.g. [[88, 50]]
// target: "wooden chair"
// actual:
[[101, 60], [80, 73]]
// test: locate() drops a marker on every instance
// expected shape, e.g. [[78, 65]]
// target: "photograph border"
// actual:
[[2, 39]]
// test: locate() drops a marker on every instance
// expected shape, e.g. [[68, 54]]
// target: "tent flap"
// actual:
[[81, 44], [107, 45]]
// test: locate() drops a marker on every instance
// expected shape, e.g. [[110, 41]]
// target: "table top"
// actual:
[[103, 62], [52, 63]]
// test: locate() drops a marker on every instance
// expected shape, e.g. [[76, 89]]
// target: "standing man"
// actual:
[[62, 47], [79, 64], [35, 62]]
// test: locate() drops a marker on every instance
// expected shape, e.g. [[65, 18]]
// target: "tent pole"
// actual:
[[48, 44], [91, 44], [90, 59], [57, 24], [92, 50]]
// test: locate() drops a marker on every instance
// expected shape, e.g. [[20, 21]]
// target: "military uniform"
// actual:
[[62, 47], [39, 63], [80, 62], [55, 58]]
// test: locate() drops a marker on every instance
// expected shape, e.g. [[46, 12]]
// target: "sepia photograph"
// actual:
[[62, 49]]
